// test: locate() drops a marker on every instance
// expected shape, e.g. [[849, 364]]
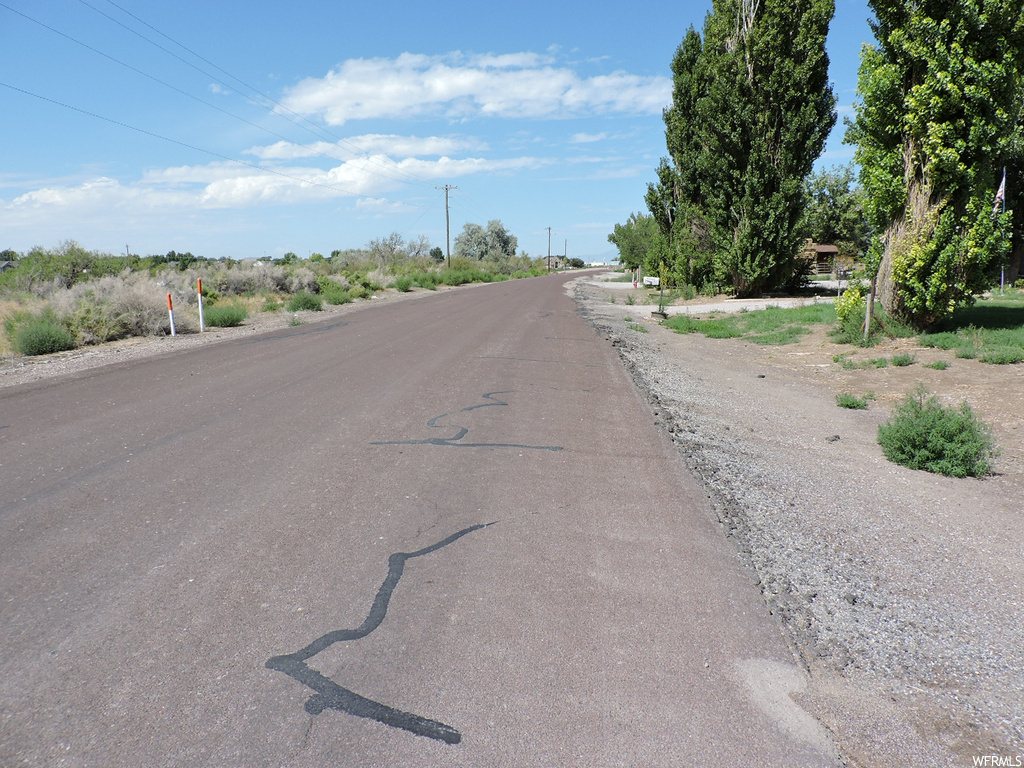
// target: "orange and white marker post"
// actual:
[[170, 311], [202, 325]]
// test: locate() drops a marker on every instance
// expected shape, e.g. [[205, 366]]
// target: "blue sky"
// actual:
[[253, 129]]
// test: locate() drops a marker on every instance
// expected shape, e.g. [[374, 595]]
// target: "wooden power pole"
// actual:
[[447, 224]]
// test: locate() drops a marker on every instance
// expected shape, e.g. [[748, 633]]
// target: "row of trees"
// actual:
[[69, 262], [939, 118]]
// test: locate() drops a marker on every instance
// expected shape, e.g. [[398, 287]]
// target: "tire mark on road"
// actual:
[[463, 431], [330, 695]]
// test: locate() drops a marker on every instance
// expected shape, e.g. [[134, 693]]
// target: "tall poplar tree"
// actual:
[[751, 110], [940, 97]]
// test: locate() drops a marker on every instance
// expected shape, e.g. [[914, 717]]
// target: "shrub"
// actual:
[[303, 301], [924, 434], [938, 365], [849, 400], [39, 335], [225, 315], [403, 284], [1002, 355], [903, 359], [851, 304]]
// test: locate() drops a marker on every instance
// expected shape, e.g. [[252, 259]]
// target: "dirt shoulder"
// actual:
[[899, 590]]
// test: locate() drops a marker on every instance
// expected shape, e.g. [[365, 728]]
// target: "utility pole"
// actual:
[[447, 224], [549, 250]]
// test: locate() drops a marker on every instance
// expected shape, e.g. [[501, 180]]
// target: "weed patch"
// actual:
[[39, 334], [849, 400], [225, 315], [924, 434], [303, 301]]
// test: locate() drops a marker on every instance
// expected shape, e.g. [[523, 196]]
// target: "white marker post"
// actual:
[[202, 325], [170, 311]]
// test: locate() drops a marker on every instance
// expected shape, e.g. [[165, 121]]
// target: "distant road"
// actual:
[[441, 532]]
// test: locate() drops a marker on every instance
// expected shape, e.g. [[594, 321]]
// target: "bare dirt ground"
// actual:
[[900, 591]]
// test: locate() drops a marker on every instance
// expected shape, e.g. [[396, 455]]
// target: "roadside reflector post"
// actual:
[[170, 311], [202, 325]]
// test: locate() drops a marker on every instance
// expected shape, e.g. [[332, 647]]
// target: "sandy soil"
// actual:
[[900, 591]]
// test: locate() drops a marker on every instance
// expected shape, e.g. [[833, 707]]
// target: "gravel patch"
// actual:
[[899, 591]]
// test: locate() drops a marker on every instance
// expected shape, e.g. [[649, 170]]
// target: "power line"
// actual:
[[305, 124], [182, 143], [191, 96]]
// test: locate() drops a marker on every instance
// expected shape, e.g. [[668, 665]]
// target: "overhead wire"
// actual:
[[296, 118], [186, 145], [174, 88]]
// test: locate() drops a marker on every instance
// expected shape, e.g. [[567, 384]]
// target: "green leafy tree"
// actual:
[[834, 211], [940, 97], [437, 254], [635, 239], [751, 110]]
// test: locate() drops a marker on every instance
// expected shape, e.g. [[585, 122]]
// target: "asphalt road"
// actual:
[[439, 532]]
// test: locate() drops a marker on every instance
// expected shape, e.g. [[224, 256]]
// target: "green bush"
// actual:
[[1003, 355], [303, 301], [39, 335], [938, 365], [404, 284], [849, 400], [924, 434], [225, 315], [903, 359]]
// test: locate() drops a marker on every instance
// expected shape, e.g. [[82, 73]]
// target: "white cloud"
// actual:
[[191, 188], [587, 138], [457, 86], [388, 144]]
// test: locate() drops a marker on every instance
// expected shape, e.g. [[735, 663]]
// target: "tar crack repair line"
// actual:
[[330, 695], [463, 431]]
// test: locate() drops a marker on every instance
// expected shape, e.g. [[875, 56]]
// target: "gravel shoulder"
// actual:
[[900, 591]]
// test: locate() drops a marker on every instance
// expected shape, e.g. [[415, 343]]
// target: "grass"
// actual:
[[637, 327], [992, 331], [938, 365], [924, 434], [303, 301], [225, 315], [849, 400], [769, 326]]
